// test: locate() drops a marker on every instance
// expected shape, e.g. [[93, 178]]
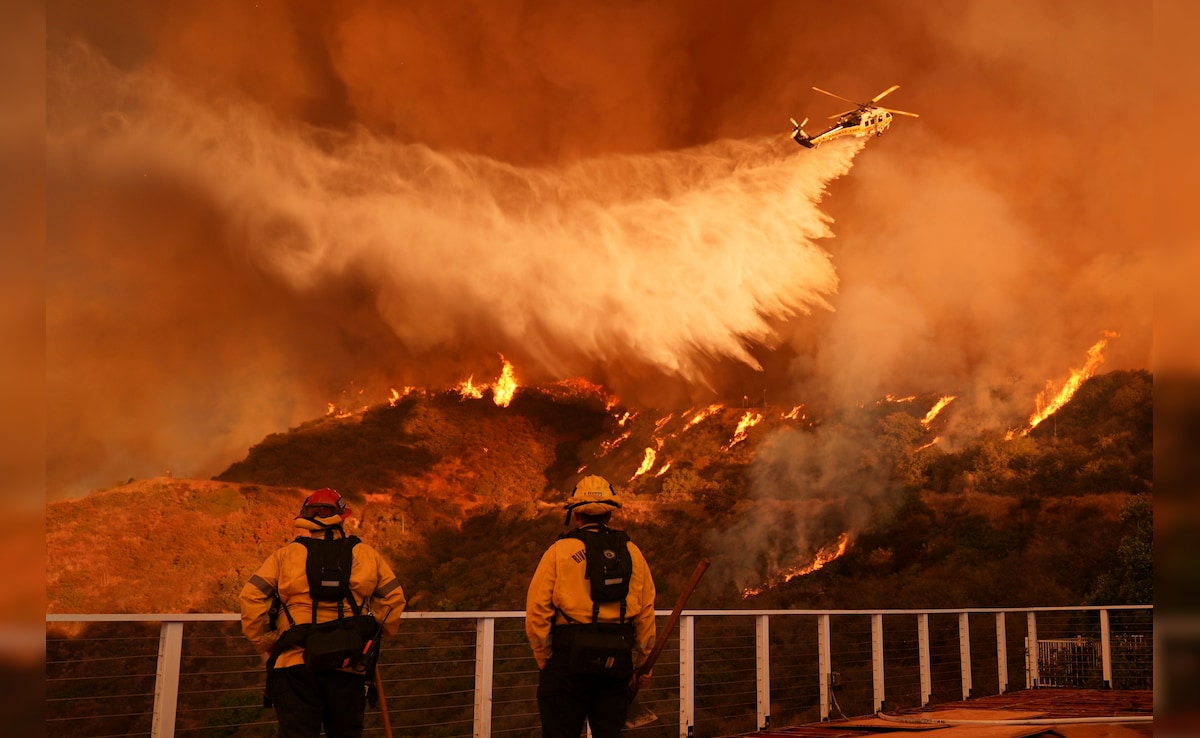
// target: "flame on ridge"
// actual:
[[502, 391], [396, 396], [793, 414], [823, 557], [336, 410], [1049, 401], [506, 385], [469, 390]]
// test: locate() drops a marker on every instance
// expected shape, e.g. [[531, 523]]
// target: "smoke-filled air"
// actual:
[[256, 210]]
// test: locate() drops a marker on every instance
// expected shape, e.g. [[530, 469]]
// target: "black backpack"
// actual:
[[348, 640], [595, 647], [329, 564], [609, 565]]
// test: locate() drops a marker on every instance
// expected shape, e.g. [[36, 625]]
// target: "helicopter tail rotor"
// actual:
[[798, 133]]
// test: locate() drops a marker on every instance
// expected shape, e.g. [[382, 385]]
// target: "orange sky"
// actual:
[[254, 208]]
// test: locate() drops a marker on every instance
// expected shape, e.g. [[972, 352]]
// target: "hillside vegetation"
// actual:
[[462, 496]]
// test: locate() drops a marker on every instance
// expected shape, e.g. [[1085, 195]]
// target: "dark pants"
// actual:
[[305, 700], [566, 699]]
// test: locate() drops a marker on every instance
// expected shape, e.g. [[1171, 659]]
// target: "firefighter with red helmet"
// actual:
[[587, 649], [281, 611]]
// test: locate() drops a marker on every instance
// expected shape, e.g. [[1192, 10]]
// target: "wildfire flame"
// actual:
[[663, 469], [749, 420], [823, 557], [702, 414], [468, 390], [396, 396], [1048, 401], [937, 408], [647, 463], [793, 414], [927, 445], [662, 421], [506, 385], [607, 446], [502, 391]]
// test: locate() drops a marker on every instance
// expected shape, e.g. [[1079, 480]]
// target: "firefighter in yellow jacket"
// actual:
[[575, 684], [279, 610]]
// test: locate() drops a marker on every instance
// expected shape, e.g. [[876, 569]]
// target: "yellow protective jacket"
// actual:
[[284, 572], [560, 582]]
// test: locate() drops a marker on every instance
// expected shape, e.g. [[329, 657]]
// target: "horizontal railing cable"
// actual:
[[907, 658]]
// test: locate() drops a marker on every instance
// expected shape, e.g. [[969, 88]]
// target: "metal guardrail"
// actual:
[[472, 674]]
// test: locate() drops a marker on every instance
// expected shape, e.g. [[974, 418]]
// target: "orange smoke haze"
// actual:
[[253, 206]]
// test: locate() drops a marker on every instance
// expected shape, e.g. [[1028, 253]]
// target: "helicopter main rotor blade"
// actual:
[[827, 92], [900, 112], [885, 93]]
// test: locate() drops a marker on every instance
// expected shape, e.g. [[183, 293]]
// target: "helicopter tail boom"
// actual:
[[800, 136]]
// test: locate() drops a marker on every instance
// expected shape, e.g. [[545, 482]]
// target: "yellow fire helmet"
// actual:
[[592, 496]]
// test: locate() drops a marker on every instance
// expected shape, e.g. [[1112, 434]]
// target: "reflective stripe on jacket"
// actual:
[[560, 582], [371, 580]]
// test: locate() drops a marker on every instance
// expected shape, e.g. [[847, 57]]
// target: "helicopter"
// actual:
[[863, 120]]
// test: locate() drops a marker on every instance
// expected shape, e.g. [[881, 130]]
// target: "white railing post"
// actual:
[[762, 668], [485, 647], [964, 653], [923, 658], [1106, 649], [687, 676], [1001, 653], [166, 684], [1031, 651], [824, 663], [877, 660], [166, 702]]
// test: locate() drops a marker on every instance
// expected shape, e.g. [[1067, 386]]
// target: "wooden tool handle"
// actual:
[[672, 621]]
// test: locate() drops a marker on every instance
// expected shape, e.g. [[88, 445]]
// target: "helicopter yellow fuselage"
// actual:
[[870, 121]]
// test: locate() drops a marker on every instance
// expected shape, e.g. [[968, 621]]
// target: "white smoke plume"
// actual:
[[670, 260]]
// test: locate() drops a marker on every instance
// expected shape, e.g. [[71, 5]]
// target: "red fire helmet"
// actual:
[[324, 503]]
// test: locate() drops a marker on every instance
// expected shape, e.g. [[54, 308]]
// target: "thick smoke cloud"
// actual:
[[256, 209]]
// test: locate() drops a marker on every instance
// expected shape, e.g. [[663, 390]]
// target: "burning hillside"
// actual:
[[438, 476], [802, 488]]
